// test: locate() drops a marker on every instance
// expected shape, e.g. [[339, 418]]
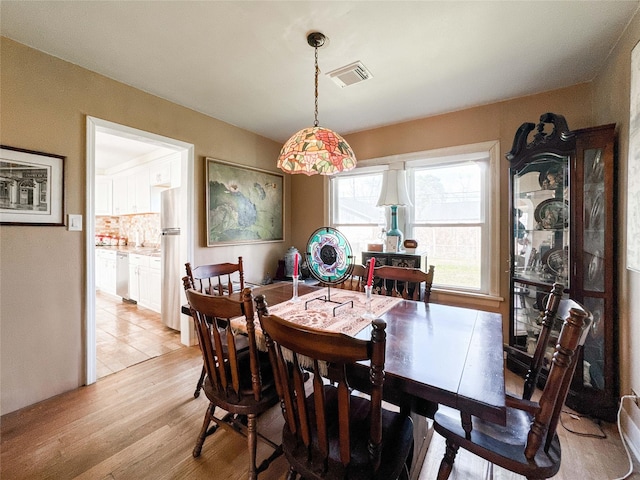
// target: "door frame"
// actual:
[[93, 125]]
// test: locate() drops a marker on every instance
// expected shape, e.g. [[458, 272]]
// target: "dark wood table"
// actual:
[[436, 354]]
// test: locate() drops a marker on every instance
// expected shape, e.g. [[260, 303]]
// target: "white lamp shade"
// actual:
[[394, 189]]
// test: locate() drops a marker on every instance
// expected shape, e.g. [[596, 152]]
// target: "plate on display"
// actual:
[[555, 261], [329, 255], [552, 178], [552, 214], [595, 215]]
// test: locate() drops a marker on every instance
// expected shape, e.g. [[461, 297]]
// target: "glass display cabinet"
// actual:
[[562, 214]]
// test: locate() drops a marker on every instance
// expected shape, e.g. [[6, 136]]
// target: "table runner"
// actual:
[[319, 314]]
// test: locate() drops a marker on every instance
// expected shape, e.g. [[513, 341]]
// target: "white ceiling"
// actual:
[[248, 62]]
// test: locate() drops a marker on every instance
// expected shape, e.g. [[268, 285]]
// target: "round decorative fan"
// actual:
[[329, 256]]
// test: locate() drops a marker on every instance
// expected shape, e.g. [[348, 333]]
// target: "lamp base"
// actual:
[[394, 235]]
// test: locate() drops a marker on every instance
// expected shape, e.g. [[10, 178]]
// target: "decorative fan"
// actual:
[[329, 256], [330, 259]]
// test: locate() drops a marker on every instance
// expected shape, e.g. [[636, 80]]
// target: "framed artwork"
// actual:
[[31, 187], [244, 204], [633, 166]]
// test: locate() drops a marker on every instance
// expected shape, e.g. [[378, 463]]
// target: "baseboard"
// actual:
[[631, 430]]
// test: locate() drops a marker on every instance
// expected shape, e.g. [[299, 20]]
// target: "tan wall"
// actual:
[[497, 121], [43, 106], [611, 105]]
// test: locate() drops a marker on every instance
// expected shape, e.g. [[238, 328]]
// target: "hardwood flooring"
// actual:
[[127, 334], [142, 423]]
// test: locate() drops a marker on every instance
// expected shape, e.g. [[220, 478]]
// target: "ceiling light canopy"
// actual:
[[316, 150]]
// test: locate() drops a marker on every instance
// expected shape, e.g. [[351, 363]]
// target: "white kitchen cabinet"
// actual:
[[103, 195], [154, 290], [145, 281], [138, 265], [105, 271], [160, 174], [139, 192], [120, 195]]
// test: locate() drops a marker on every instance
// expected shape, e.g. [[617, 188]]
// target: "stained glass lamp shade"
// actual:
[[316, 150]]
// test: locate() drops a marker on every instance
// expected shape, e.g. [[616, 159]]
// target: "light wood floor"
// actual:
[[127, 334], [142, 422]]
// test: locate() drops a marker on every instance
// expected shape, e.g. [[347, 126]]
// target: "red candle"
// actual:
[[295, 265], [372, 264]]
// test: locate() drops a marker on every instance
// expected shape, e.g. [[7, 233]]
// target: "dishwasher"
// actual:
[[122, 275]]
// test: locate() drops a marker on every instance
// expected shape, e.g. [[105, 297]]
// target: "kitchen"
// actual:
[[137, 199]]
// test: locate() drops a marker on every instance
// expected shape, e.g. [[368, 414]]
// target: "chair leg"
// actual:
[[196, 394], [252, 441], [447, 462], [203, 432]]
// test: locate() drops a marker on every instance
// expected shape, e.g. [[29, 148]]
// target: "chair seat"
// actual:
[[245, 402], [397, 428], [501, 445]]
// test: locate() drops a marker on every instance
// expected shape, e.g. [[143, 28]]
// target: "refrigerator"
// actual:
[[170, 253]]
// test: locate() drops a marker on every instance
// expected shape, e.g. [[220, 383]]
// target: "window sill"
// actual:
[[462, 299]]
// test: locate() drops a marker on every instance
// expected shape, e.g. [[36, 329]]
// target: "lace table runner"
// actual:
[[319, 314]]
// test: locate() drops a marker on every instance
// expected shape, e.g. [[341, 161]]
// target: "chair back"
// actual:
[[217, 279], [320, 427], [232, 377], [563, 365], [408, 283], [548, 321], [356, 281]]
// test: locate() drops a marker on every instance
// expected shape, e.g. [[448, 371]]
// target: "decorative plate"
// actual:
[[552, 178], [555, 261], [595, 266], [329, 255], [595, 215], [552, 214], [597, 168]]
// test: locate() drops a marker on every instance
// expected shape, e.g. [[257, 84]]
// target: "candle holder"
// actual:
[[295, 297], [368, 290]]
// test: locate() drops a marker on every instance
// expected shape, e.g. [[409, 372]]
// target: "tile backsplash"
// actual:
[[144, 228]]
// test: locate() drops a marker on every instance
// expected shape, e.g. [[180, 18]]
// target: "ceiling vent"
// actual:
[[353, 73]]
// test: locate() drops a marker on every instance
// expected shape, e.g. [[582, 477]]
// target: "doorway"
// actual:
[[98, 129]]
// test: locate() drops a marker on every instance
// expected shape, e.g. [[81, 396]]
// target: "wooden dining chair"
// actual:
[[329, 433], [239, 382], [408, 283], [214, 279], [356, 281], [547, 322], [217, 278], [528, 444]]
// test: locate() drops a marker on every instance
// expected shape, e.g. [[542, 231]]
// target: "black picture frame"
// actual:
[[31, 187]]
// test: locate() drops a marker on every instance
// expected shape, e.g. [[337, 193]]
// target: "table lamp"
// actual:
[[394, 194]]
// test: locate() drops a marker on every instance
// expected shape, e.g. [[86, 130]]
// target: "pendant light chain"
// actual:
[[315, 124]]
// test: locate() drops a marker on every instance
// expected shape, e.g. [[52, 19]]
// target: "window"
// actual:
[[354, 213], [455, 194]]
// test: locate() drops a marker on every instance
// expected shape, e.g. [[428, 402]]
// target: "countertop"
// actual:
[[149, 251]]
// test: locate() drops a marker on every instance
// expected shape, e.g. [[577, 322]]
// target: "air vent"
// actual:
[[351, 74]]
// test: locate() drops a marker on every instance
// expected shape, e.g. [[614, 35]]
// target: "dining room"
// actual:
[[453, 207]]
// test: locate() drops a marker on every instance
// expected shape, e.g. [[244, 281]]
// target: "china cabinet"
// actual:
[[562, 204]]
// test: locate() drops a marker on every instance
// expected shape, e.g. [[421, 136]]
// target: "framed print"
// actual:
[[243, 204], [31, 187], [633, 165]]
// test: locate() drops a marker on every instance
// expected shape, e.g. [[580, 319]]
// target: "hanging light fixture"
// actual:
[[315, 149]]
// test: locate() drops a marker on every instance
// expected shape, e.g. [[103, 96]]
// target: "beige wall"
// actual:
[[43, 106], [611, 105]]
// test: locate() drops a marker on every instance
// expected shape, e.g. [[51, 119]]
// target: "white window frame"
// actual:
[[489, 294]]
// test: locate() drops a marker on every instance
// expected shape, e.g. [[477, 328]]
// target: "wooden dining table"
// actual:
[[435, 354]]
